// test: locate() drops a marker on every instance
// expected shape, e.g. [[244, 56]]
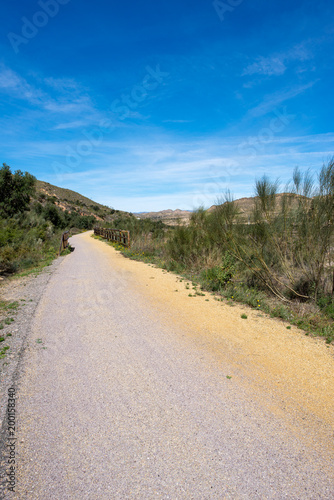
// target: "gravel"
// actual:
[[26, 291], [118, 401]]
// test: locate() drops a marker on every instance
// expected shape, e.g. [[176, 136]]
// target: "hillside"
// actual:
[[34, 214], [72, 201], [245, 206], [169, 217]]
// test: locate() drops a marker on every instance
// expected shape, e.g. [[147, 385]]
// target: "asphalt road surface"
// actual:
[[118, 398]]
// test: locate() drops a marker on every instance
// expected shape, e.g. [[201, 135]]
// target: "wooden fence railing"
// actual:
[[122, 237], [64, 241]]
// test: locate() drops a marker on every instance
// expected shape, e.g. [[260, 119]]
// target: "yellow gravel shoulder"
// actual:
[[296, 370]]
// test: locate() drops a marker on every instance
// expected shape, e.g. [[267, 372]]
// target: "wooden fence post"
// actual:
[[63, 242], [115, 235]]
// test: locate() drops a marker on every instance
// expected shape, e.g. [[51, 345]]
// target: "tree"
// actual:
[[15, 191]]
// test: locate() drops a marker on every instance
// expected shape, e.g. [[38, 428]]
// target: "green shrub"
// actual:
[[281, 312], [326, 304], [217, 277]]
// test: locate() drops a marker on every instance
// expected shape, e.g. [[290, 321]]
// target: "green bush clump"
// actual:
[[217, 277], [326, 304], [282, 312]]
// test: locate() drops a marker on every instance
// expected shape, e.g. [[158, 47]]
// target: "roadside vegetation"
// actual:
[[31, 223], [7, 311], [280, 261]]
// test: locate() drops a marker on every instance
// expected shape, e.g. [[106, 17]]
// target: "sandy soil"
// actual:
[[298, 370]]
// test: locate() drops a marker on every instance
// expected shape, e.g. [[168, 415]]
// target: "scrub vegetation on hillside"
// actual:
[[31, 223]]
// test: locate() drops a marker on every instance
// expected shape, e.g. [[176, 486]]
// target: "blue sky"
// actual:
[[152, 105]]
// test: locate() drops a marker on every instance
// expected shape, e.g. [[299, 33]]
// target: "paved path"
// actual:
[[117, 402]]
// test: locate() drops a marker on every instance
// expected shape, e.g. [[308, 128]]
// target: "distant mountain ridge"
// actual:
[[245, 206], [169, 217], [172, 217], [69, 200]]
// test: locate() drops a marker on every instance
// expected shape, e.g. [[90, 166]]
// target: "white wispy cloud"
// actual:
[[272, 101], [71, 125], [143, 175], [177, 121], [277, 64], [63, 106], [266, 66], [16, 86], [8, 79], [65, 97], [63, 85]]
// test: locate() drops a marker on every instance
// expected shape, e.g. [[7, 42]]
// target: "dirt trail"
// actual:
[[298, 369], [130, 389]]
